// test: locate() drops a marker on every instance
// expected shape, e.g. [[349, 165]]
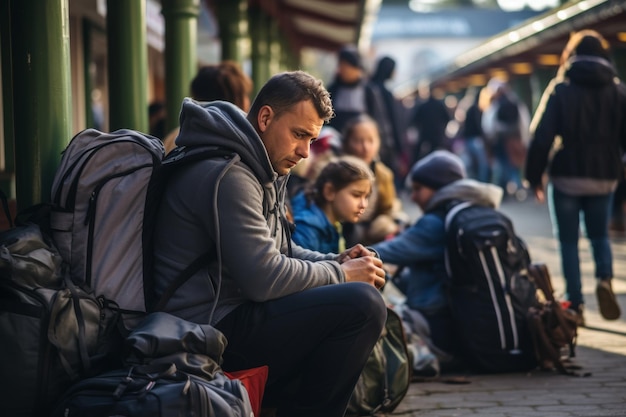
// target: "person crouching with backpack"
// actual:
[[437, 181]]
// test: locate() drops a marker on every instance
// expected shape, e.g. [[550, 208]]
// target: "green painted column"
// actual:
[[87, 32], [40, 55], [6, 182], [619, 57], [290, 60], [521, 84], [539, 80], [230, 19], [274, 48], [127, 64], [257, 21], [181, 62]]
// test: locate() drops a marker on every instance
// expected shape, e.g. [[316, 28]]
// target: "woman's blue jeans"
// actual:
[[571, 214]]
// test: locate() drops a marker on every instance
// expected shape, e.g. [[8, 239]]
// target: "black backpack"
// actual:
[[489, 289], [53, 332], [171, 369]]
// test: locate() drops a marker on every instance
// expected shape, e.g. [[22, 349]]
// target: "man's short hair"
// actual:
[[286, 89]]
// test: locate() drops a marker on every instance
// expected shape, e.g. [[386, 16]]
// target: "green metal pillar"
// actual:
[[231, 18], [521, 84], [127, 64], [181, 62], [290, 60], [40, 55], [619, 57], [8, 167], [87, 32], [539, 80], [258, 23], [274, 47]]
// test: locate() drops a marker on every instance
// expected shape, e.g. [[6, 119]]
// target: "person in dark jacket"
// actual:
[[475, 154], [585, 108], [278, 304], [436, 180], [388, 116], [350, 91], [430, 118]]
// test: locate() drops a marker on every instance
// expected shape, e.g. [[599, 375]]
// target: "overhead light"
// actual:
[[549, 60], [521, 68], [562, 14], [477, 79], [423, 6], [621, 36], [514, 36], [538, 26], [499, 73]]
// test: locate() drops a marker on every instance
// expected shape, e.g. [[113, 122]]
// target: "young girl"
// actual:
[[340, 194], [361, 138]]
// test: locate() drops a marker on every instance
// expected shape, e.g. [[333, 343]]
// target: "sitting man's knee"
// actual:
[[370, 301]]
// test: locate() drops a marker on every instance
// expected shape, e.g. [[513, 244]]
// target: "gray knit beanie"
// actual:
[[438, 169]]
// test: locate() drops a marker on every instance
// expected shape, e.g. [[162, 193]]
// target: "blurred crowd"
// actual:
[[488, 128]]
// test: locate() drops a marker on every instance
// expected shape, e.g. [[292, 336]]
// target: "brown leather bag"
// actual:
[[552, 327]]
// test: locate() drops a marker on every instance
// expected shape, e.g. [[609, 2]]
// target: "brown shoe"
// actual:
[[609, 309], [580, 317]]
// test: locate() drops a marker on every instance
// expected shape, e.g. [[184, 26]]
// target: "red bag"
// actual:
[[254, 380]]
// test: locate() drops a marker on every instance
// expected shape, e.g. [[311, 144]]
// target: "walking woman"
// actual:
[[579, 132]]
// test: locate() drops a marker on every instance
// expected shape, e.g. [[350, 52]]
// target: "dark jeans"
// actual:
[[568, 214], [315, 342]]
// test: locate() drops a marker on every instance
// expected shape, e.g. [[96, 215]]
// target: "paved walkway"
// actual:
[[601, 351]]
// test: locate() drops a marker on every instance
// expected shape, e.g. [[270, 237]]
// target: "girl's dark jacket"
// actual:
[[586, 108]]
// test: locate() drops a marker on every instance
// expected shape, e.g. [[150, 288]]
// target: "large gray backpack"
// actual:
[[104, 196]]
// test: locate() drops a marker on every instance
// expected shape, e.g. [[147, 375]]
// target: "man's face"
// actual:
[[420, 194], [288, 137], [348, 73]]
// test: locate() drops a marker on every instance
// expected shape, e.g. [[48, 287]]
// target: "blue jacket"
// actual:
[[313, 229], [420, 248]]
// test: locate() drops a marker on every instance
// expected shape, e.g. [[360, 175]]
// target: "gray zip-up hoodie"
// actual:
[[232, 210]]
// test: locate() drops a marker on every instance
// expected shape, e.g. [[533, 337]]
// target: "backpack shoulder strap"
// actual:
[[453, 209], [179, 157], [187, 273], [185, 155]]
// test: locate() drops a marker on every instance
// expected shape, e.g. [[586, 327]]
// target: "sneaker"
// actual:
[[609, 309]]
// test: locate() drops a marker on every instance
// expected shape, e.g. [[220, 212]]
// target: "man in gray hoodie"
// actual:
[[278, 304]]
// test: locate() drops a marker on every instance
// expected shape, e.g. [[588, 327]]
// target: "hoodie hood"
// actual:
[[384, 69], [221, 123], [475, 192], [590, 70]]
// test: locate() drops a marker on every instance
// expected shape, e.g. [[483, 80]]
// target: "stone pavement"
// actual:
[[601, 350]]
